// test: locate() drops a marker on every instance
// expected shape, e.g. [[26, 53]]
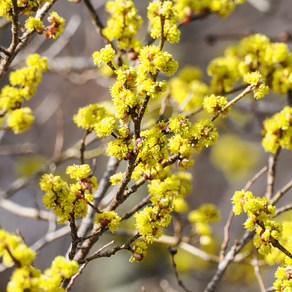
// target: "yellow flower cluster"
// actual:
[[259, 218], [53, 30], [200, 218], [95, 117], [139, 251], [14, 250], [105, 55], [26, 277], [187, 88], [214, 104], [163, 16], [277, 131], [65, 199], [23, 85], [108, 219], [29, 278], [123, 24], [189, 138], [163, 195], [27, 7], [283, 277], [223, 8], [151, 148], [257, 61]]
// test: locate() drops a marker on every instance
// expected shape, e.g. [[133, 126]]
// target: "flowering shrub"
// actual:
[[143, 149]]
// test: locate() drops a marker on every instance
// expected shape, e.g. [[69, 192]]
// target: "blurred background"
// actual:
[[73, 81]]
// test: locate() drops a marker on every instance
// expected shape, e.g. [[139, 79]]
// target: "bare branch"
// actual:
[[256, 267], [25, 212], [271, 174], [226, 236], [173, 252], [229, 257], [255, 178], [82, 267], [281, 192]]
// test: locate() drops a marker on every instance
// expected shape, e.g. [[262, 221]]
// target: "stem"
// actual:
[[271, 174], [247, 90]]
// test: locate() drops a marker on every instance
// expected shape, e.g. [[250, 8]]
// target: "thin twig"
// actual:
[[139, 206], [104, 184], [226, 236], [281, 192], [256, 267], [283, 209], [255, 178], [172, 241], [96, 21], [50, 237], [229, 257], [82, 267], [246, 91], [109, 253], [173, 252]]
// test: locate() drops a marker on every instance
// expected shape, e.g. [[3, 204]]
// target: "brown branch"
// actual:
[[96, 21], [4, 51], [226, 239], [271, 174], [173, 252], [82, 267], [75, 238], [256, 267], [14, 27], [139, 206], [109, 253], [255, 178], [83, 146], [229, 257], [281, 192], [283, 209], [279, 246]]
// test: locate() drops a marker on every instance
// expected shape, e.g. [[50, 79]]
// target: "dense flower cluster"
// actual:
[[164, 194], [188, 89], [53, 30], [163, 17], [200, 218], [223, 8], [256, 60], [94, 117], [23, 85], [28, 7], [67, 200], [26, 277], [277, 131], [259, 218], [13, 249], [283, 277], [214, 103], [189, 138], [123, 24], [108, 219], [105, 55]]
